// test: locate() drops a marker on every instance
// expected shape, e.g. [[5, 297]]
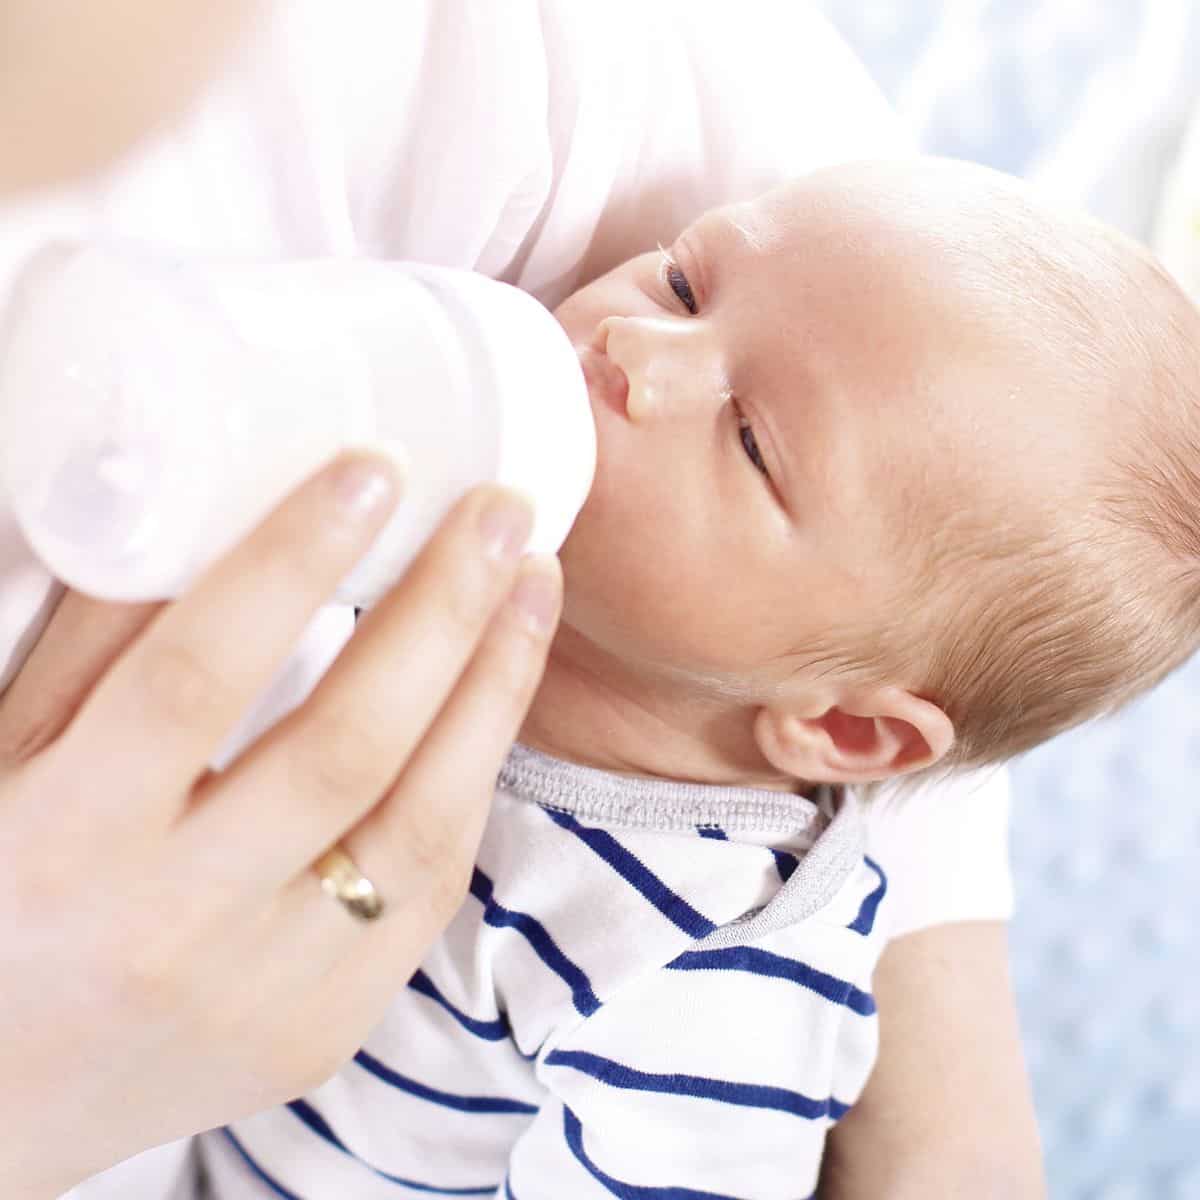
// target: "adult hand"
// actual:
[[170, 961]]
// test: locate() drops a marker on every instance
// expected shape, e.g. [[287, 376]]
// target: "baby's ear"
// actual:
[[853, 737]]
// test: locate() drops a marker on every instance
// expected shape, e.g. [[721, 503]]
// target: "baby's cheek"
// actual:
[[641, 588]]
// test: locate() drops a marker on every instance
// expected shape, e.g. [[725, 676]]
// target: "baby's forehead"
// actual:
[[851, 202], [822, 233], [967, 225], [961, 334]]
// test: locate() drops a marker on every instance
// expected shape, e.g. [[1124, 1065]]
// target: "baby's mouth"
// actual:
[[605, 380]]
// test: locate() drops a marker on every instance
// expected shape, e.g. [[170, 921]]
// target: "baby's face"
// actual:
[[790, 401]]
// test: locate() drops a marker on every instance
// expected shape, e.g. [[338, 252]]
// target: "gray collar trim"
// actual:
[[661, 805], [666, 806]]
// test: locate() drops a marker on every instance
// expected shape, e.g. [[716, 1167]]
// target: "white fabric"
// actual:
[[539, 143], [946, 848]]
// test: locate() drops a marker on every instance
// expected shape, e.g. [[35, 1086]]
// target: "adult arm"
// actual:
[[947, 1113], [98, 76]]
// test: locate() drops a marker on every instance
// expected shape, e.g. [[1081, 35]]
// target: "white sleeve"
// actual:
[[944, 850]]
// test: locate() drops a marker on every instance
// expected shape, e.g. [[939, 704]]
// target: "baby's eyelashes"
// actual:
[[750, 443], [672, 274]]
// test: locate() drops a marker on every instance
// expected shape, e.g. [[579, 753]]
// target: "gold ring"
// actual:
[[341, 879]]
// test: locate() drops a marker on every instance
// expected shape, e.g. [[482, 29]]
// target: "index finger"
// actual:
[[164, 708]]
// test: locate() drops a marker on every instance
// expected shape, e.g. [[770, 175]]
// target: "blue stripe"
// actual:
[[865, 921], [273, 1184], [321, 1128], [700, 1087], [711, 831], [776, 966], [543, 944], [490, 1031], [573, 1132], [468, 1104], [785, 864], [677, 910], [509, 1194]]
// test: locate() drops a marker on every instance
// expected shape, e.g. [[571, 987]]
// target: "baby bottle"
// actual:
[[153, 410]]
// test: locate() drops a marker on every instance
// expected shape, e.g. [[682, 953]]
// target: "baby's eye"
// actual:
[[677, 281], [750, 445]]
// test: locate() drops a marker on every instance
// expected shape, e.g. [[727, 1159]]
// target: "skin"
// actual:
[[81, 82], [759, 483]]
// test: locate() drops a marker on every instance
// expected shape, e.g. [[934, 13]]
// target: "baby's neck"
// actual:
[[599, 711]]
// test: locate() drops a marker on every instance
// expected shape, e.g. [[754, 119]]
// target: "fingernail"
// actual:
[[363, 486], [506, 523], [536, 595]]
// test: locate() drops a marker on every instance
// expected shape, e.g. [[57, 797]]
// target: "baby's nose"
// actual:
[[644, 349]]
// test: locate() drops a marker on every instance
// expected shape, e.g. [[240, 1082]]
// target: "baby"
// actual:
[[897, 468]]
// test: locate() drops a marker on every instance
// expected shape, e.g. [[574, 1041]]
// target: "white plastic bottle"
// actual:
[[153, 410]]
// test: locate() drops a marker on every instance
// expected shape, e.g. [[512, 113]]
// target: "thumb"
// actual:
[[82, 639]]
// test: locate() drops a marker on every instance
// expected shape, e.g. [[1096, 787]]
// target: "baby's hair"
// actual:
[[1056, 621]]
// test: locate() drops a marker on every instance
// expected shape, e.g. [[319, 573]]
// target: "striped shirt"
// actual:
[[653, 990]]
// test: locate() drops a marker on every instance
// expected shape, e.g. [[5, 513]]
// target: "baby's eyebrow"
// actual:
[[702, 239], [714, 238], [723, 225], [749, 239]]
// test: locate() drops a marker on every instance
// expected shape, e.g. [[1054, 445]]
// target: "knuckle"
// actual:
[[508, 667], [335, 756], [179, 686], [37, 891], [293, 563], [430, 848], [441, 862], [148, 976], [469, 600], [515, 668]]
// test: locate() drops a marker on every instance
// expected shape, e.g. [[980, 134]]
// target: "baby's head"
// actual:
[[898, 460]]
